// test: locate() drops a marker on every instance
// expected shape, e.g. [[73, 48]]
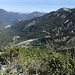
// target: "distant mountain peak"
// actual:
[[64, 8], [35, 12], [7, 17], [2, 10]]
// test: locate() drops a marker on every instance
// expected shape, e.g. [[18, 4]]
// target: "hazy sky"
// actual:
[[35, 5]]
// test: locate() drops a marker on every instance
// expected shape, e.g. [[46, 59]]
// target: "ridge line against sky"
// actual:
[[35, 5]]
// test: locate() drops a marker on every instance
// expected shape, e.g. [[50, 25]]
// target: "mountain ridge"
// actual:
[[56, 24], [11, 17]]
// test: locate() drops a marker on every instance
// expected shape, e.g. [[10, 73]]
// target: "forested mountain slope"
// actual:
[[58, 22], [50, 48], [57, 25]]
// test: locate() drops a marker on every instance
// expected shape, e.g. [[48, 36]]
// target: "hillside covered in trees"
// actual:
[[41, 46]]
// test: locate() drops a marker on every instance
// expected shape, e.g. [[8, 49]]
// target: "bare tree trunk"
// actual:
[[36, 72]]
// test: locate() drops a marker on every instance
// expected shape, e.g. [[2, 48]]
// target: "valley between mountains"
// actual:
[[37, 43]]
